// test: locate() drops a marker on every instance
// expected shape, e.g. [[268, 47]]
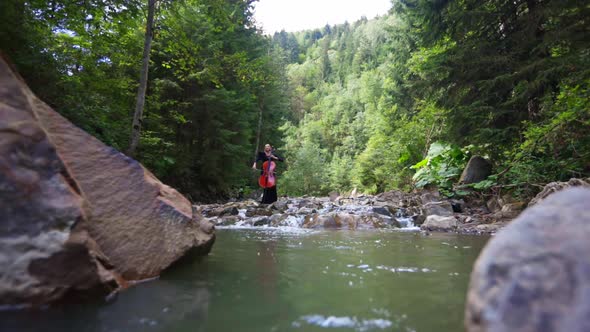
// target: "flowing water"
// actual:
[[290, 279]]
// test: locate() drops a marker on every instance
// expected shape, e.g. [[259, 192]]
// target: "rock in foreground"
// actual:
[[535, 274], [77, 217]]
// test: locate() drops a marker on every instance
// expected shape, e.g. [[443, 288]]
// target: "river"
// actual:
[[290, 279]]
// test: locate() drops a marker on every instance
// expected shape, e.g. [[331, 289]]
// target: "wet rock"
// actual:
[[78, 217], [277, 219], [419, 219], [363, 200], [40, 206], [321, 221], [306, 210], [222, 211], [242, 205], [439, 223], [252, 212], [227, 220], [382, 210], [477, 169], [533, 275], [260, 221], [328, 207], [557, 186], [346, 219], [230, 211], [303, 203], [344, 201], [141, 224], [280, 205], [349, 221], [376, 221]]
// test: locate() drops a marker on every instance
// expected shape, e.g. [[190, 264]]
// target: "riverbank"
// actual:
[[424, 210]]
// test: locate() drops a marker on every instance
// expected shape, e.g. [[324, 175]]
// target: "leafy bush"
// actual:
[[556, 147], [441, 167]]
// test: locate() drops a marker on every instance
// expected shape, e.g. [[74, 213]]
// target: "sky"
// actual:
[[296, 15]]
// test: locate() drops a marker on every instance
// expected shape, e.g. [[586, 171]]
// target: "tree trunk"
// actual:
[[260, 107], [143, 79]]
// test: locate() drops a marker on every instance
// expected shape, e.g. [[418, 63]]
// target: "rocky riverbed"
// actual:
[[425, 210]]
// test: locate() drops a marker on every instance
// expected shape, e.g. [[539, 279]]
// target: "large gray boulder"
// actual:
[[78, 218], [534, 275], [477, 169]]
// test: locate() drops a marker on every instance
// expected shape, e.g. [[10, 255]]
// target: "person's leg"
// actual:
[[266, 196], [272, 194]]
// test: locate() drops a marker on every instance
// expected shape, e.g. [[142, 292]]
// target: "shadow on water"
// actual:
[[274, 280]]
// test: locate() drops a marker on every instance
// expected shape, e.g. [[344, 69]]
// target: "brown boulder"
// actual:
[[345, 220], [77, 215], [141, 224], [40, 206], [374, 221], [321, 221], [534, 275]]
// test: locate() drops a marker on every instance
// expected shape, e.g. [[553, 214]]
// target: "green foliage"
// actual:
[[557, 147], [211, 71], [509, 78], [362, 102], [492, 63], [486, 184], [306, 174], [441, 167]]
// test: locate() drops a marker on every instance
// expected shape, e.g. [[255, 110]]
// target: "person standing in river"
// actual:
[[270, 194]]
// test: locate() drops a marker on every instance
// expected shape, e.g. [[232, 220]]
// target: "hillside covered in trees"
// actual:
[[404, 100], [399, 101]]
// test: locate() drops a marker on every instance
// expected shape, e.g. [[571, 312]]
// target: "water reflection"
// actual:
[[270, 280], [153, 306], [267, 276]]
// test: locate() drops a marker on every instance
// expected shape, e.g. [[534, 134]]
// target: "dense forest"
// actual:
[[399, 101]]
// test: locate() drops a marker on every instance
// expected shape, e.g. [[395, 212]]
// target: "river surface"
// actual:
[[290, 280]]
